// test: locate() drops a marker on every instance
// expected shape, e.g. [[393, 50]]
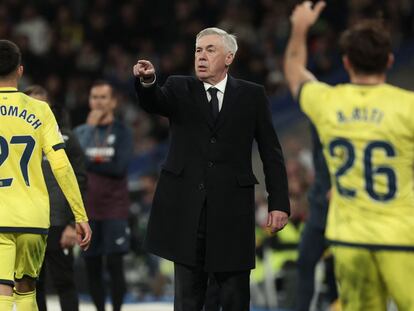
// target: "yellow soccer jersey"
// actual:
[[367, 133], [27, 127]]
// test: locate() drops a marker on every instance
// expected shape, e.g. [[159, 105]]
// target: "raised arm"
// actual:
[[151, 97], [302, 18], [145, 71]]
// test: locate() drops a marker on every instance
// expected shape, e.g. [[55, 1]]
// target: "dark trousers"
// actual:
[[60, 266], [97, 284], [311, 248], [195, 288]]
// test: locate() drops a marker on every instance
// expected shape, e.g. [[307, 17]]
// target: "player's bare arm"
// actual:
[[302, 18]]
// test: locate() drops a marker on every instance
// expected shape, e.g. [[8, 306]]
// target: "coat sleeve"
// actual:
[[271, 156], [156, 99]]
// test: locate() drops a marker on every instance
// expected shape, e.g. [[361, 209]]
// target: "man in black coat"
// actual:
[[203, 211]]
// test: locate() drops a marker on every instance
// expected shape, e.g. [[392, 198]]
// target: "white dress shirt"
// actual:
[[221, 87]]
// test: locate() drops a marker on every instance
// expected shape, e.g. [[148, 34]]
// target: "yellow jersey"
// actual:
[[367, 133], [27, 128]]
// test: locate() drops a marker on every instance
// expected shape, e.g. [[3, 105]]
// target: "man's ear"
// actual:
[[229, 59]]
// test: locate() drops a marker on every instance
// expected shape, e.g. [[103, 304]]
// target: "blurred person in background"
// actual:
[[202, 217], [35, 27], [313, 243], [277, 254], [366, 128], [82, 33], [62, 235], [29, 130], [140, 212], [107, 144]]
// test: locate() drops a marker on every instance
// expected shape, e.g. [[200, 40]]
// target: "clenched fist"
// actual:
[[145, 70], [276, 221], [95, 117]]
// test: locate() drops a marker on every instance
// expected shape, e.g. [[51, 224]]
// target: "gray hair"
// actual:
[[229, 40]]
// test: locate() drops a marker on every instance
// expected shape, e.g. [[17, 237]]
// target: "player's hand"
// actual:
[[306, 14], [68, 238], [95, 117], [83, 235], [144, 69], [276, 220]]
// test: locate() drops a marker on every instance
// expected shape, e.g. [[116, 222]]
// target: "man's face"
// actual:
[[100, 98], [211, 59]]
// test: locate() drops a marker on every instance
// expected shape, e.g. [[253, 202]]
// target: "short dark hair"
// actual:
[[10, 57], [103, 83], [367, 45]]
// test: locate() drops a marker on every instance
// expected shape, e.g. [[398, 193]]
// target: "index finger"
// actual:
[[87, 234], [319, 6], [143, 62], [307, 4], [86, 238], [84, 246]]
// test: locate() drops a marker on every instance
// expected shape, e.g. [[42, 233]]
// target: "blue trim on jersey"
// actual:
[[7, 282], [10, 91], [24, 230], [27, 277], [373, 247], [59, 146]]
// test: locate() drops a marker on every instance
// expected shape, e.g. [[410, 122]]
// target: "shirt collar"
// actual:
[[8, 89], [221, 86]]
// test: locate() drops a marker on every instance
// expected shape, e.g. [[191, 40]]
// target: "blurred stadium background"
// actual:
[[67, 44]]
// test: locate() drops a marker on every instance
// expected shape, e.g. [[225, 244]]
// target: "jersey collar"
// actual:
[[8, 89]]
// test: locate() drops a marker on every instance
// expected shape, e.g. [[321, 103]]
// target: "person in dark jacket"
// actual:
[[313, 243], [62, 235], [203, 210], [108, 147]]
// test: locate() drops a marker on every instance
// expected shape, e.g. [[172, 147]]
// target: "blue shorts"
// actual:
[[108, 236]]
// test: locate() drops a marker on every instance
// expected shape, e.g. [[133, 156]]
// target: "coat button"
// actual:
[[210, 164], [201, 187], [213, 140]]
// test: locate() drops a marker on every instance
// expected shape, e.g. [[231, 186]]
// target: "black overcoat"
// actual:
[[210, 163]]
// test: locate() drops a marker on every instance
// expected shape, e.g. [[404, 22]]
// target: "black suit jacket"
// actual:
[[209, 163]]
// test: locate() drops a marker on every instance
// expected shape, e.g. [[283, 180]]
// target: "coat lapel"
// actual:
[[199, 94], [230, 95]]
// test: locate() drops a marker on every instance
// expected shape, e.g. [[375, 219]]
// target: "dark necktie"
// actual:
[[214, 102]]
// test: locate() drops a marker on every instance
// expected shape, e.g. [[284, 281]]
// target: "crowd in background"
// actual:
[[66, 45]]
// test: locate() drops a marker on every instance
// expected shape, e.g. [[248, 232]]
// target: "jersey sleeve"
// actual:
[[65, 176], [312, 99], [51, 136]]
